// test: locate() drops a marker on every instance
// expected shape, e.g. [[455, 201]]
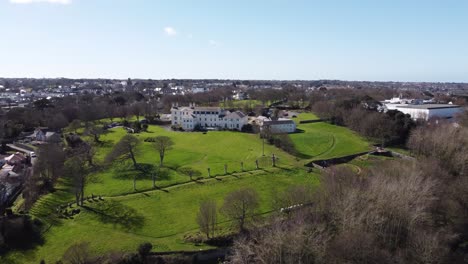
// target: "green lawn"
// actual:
[[124, 219], [306, 116], [322, 141], [159, 217], [242, 103], [200, 151]]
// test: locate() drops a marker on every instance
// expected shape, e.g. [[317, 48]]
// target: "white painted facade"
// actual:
[[207, 117], [426, 111], [280, 126]]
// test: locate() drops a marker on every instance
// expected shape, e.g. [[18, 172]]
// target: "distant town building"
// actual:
[[43, 135], [240, 96], [199, 90], [188, 118], [426, 111]]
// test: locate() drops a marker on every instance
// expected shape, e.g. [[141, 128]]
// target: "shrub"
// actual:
[[144, 249]]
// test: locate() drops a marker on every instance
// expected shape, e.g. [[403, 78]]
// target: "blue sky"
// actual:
[[397, 40]]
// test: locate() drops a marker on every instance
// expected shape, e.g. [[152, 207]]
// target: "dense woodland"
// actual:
[[407, 211]]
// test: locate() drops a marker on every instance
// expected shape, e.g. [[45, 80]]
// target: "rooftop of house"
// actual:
[[49, 134], [17, 157], [429, 106], [236, 114], [197, 108]]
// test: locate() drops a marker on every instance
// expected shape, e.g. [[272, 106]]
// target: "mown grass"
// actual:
[[164, 216], [200, 151], [322, 140], [305, 116], [160, 217], [242, 103]]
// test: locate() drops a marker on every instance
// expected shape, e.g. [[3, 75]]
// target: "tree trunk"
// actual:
[[82, 190], [161, 157], [135, 164], [77, 197], [154, 180]]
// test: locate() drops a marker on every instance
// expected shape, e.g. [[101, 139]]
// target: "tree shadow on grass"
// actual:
[[145, 171], [118, 214], [302, 155], [20, 233], [106, 143]]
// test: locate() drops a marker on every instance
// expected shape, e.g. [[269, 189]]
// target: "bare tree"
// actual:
[[137, 109], [126, 149], [206, 217], [294, 195], [240, 205], [389, 216], [162, 144], [49, 164], [94, 130], [75, 125], [446, 143], [293, 241], [189, 171], [463, 118], [77, 254], [75, 168]]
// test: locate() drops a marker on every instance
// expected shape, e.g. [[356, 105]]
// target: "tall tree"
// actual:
[[126, 149], [49, 164], [77, 254], [162, 145], [240, 205], [206, 217], [75, 168], [74, 125], [96, 131]]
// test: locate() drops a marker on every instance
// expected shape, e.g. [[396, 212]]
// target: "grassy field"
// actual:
[[323, 141], [200, 151], [241, 104], [160, 217], [305, 116], [165, 216]]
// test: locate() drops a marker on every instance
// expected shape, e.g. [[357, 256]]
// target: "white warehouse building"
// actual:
[[207, 117], [427, 111]]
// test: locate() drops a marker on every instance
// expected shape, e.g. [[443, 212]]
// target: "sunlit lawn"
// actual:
[[124, 219], [159, 217], [197, 150], [322, 140]]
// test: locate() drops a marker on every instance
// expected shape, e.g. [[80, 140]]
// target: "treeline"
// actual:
[[397, 212], [361, 111]]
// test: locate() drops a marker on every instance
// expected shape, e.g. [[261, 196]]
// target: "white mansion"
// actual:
[[188, 117]]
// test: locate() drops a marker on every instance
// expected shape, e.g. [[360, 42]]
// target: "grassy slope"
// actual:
[[163, 218], [159, 217], [322, 140], [197, 150], [241, 103], [305, 116]]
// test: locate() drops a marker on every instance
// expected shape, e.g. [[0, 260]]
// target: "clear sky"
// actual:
[[401, 40]]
